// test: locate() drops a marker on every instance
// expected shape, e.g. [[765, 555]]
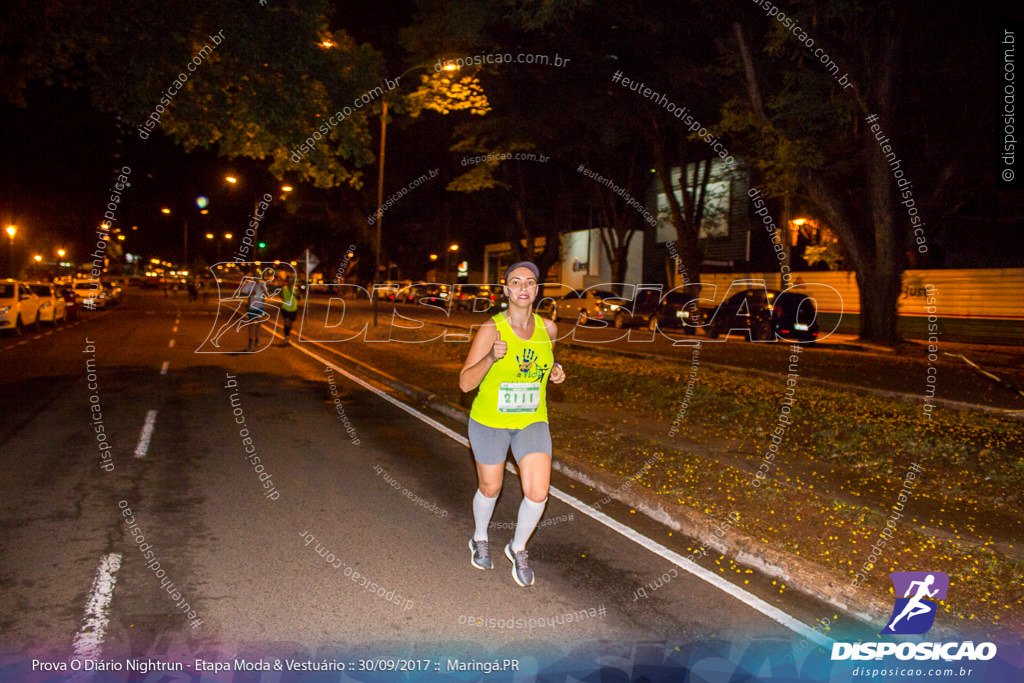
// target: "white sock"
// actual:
[[482, 509], [529, 515]]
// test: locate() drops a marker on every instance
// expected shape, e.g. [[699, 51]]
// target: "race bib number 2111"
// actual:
[[518, 397]]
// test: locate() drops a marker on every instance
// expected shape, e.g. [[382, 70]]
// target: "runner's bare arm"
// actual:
[[557, 373], [552, 329], [482, 354]]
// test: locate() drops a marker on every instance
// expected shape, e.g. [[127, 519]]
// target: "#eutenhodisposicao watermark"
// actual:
[[691, 383], [910, 481], [153, 563], [783, 419], [621, 191], [530, 623], [682, 113]]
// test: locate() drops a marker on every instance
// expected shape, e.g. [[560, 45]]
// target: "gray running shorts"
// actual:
[[490, 445]]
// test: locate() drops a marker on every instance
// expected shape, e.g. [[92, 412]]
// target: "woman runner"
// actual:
[[511, 360]]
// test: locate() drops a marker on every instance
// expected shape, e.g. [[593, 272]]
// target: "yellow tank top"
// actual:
[[513, 393]]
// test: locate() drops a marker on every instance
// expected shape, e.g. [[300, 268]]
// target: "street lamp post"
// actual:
[[202, 203], [12, 230], [380, 183], [452, 249], [380, 203]]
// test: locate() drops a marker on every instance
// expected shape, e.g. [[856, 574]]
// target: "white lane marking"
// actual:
[[174, 329], [678, 560], [658, 549], [163, 368], [171, 345], [88, 642], [177, 320], [145, 435], [409, 409]]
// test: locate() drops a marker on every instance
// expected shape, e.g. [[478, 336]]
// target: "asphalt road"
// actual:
[[355, 548]]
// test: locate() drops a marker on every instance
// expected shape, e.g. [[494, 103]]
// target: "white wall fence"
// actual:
[[973, 304]]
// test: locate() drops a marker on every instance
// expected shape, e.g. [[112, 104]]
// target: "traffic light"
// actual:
[[262, 245]]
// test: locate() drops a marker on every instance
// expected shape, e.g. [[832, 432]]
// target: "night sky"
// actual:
[[59, 157]]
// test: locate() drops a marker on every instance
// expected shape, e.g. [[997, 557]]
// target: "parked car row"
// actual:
[[31, 304], [24, 304], [93, 294], [458, 297], [579, 306], [652, 310], [761, 314]]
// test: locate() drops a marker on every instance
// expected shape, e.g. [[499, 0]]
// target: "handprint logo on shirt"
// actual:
[[526, 361]]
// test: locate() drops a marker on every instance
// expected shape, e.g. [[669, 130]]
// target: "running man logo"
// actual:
[[248, 294], [914, 613]]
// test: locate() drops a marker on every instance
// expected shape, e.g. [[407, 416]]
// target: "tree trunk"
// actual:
[[685, 215]]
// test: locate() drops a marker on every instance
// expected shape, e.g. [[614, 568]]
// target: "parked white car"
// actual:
[[19, 306], [90, 294], [52, 308]]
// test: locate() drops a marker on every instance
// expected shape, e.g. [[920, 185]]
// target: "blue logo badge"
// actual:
[[914, 612]]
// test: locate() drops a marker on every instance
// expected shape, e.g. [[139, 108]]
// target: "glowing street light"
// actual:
[[38, 258], [12, 230], [255, 202]]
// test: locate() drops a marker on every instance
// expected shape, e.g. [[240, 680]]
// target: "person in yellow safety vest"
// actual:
[[289, 306]]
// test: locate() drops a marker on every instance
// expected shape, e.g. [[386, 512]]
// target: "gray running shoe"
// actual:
[[521, 572], [481, 556]]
